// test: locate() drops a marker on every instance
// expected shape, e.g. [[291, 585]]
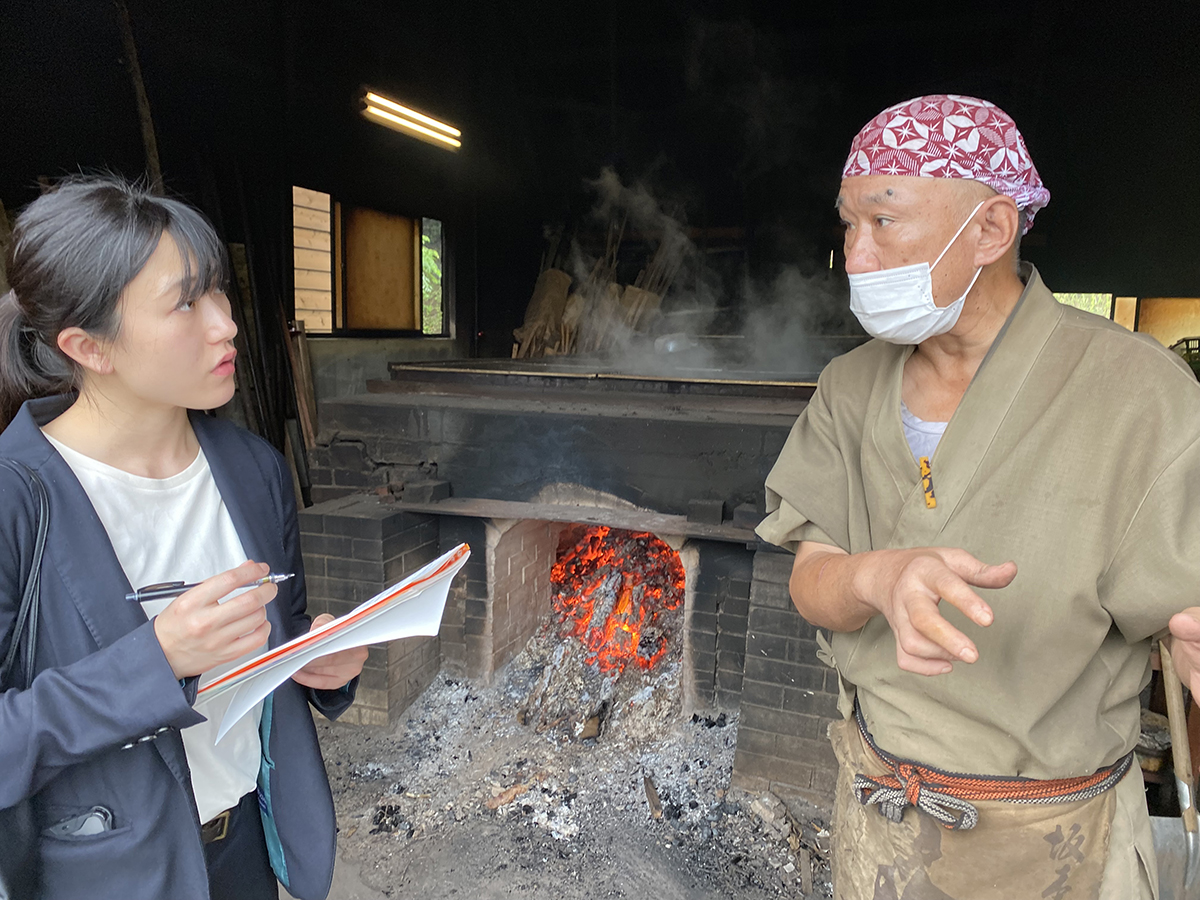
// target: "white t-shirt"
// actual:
[[178, 529], [923, 437]]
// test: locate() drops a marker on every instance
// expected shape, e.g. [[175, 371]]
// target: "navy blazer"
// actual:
[[103, 682]]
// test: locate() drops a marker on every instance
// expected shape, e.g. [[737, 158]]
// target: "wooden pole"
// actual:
[[149, 141], [5, 234], [1180, 754]]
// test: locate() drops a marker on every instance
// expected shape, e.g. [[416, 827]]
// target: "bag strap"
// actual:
[[27, 613]]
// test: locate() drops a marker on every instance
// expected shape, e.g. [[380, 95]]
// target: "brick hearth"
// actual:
[[478, 466]]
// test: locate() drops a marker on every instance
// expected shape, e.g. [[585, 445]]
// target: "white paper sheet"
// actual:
[[411, 607]]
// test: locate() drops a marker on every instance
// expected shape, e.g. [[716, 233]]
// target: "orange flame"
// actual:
[[642, 577]]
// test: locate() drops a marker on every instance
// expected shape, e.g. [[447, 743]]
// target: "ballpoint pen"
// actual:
[[170, 589]]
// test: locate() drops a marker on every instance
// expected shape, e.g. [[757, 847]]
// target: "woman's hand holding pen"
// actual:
[[198, 633], [330, 672]]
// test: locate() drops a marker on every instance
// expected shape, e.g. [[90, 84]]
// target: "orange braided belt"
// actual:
[[947, 797]]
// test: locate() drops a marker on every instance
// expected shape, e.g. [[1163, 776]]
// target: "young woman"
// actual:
[[115, 334]]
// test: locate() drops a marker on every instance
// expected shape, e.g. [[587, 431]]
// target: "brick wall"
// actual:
[[502, 594], [466, 607], [341, 470], [412, 663], [717, 620], [519, 586], [353, 548], [509, 450], [788, 696], [747, 644]]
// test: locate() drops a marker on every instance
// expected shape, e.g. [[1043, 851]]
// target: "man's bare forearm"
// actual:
[[824, 587]]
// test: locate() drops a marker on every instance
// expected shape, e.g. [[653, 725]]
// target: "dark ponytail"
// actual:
[[26, 369], [71, 254]]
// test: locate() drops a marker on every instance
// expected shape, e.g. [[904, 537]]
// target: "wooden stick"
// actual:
[[246, 373], [656, 810], [306, 404], [5, 234], [270, 330], [149, 141], [1180, 753]]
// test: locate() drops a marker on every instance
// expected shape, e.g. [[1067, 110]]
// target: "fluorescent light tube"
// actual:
[[374, 99], [400, 118]]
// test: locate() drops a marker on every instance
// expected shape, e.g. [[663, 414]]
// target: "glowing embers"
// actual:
[[610, 589]]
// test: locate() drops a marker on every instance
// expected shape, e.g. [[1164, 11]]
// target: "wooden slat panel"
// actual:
[[314, 321], [380, 270], [314, 299], [310, 218], [315, 318], [310, 239], [315, 304], [313, 280], [311, 259], [309, 199]]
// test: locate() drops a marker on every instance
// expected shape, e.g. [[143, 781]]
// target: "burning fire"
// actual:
[[609, 590]]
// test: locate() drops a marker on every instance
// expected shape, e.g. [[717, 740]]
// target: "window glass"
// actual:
[[1100, 304], [432, 294]]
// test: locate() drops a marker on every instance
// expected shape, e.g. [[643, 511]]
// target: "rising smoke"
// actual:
[[786, 323]]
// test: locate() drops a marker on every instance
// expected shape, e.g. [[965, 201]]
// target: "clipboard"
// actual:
[[412, 606]]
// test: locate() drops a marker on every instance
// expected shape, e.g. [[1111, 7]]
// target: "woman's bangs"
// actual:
[[205, 262]]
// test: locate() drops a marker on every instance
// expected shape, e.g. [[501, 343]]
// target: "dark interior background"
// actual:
[[736, 114]]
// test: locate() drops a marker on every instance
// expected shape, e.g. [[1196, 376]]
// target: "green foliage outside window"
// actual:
[[432, 305], [1100, 304]]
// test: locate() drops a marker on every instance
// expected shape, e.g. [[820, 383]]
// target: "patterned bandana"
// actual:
[[950, 136]]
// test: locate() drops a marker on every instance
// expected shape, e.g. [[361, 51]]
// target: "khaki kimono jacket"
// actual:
[[1076, 453]]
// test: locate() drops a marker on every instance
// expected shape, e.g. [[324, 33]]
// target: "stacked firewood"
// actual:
[[597, 313]]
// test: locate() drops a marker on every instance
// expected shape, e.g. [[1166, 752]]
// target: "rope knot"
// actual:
[[892, 795], [947, 797], [909, 778]]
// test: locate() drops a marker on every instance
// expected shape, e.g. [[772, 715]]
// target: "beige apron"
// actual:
[[1052, 851]]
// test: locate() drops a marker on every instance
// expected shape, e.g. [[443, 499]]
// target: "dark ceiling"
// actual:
[[736, 114]]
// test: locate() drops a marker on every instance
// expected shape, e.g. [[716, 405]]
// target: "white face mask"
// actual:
[[896, 305]]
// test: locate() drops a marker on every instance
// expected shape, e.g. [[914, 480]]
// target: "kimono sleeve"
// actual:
[[1155, 572], [808, 487]]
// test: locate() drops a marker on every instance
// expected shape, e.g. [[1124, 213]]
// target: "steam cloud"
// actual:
[[787, 324]]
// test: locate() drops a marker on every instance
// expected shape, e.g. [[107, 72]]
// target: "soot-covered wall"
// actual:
[[735, 114]]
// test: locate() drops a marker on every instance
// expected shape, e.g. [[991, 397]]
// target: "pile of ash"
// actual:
[[460, 794], [577, 773]]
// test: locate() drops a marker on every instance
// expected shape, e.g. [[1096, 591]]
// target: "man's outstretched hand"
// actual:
[[906, 586], [840, 591]]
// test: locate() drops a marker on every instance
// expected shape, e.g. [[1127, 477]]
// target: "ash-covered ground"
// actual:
[[499, 791]]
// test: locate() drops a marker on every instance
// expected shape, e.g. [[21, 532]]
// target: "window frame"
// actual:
[[338, 279]]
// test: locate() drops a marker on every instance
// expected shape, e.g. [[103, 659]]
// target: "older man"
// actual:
[[990, 443]]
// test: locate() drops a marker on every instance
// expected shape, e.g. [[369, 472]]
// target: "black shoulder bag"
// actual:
[[19, 856]]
